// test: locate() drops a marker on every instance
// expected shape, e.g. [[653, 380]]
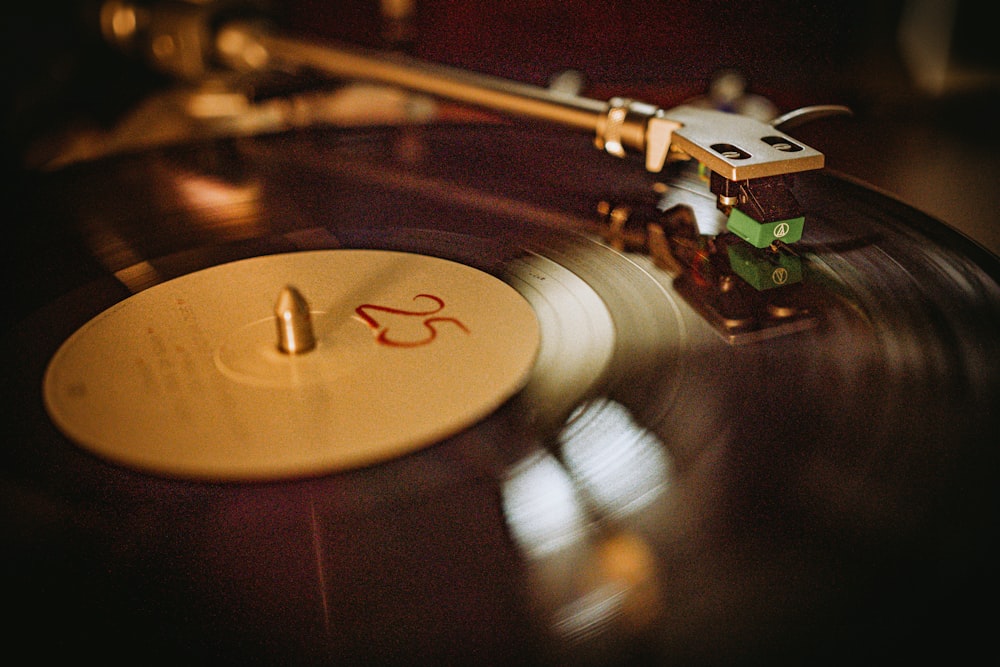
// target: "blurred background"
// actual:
[[922, 76]]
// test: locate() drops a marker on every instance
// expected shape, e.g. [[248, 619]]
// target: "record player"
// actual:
[[336, 355]]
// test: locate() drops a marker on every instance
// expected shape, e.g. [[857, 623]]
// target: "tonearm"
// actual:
[[748, 159]]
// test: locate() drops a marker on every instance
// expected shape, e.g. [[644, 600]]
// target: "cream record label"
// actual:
[[188, 378]]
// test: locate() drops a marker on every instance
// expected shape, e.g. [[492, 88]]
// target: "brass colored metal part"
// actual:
[[618, 124], [188, 40], [294, 322]]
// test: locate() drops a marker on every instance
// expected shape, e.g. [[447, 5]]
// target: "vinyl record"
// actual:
[[717, 455]]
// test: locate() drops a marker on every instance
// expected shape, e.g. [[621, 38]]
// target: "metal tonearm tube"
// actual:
[[748, 158]]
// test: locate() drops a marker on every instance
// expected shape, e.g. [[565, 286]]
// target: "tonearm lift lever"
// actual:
[[748, 159]]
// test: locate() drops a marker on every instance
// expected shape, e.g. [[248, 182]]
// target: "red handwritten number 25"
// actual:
[[430, 323]]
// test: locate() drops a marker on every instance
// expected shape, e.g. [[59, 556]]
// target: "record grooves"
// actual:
[[662, 491]]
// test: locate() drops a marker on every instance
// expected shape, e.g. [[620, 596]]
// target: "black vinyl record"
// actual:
[[730, 456]]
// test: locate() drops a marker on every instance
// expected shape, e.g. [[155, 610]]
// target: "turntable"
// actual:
[[455, 387]]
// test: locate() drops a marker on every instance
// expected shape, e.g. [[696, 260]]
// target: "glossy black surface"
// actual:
[[820, 497]]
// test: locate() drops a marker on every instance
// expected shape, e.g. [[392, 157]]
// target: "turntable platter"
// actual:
[[668, 459]]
